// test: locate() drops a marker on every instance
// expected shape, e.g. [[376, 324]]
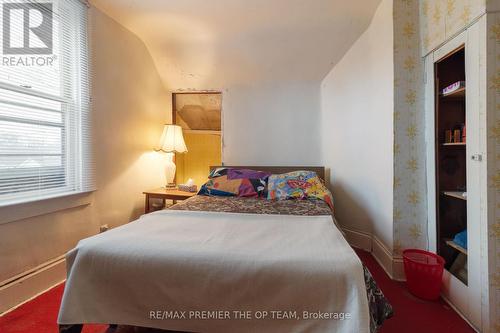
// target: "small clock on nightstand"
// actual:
[[165, 194]]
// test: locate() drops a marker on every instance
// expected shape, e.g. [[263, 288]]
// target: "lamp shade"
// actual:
[[172, 140]]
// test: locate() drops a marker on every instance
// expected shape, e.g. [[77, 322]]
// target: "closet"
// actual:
[[451, 162], [454, 85]]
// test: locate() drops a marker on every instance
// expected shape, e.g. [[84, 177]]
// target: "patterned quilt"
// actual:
[[380, 309], [254, 206]]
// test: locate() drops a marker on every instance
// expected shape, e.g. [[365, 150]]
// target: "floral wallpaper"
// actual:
[[419, 28], [410, 202], [493, 160], [442, 19]]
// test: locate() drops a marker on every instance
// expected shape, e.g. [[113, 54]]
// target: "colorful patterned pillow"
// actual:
[[298, 185], [236, 182]]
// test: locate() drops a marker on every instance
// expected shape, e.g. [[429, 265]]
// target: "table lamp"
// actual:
[[171, 142]]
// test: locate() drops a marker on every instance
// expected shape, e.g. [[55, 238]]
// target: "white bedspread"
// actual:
[[160, 269]]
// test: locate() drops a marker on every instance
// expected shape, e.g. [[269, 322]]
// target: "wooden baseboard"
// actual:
[[358, 239], [382, 255], [392, 265], [28, 286], [457, 310], [398, 271]]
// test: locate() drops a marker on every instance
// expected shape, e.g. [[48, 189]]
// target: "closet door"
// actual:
[[475, 165], [455, 165]]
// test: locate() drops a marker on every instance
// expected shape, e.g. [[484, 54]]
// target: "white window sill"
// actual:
[[20, 211]]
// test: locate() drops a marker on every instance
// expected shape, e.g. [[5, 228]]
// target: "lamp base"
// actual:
[[170, 171]]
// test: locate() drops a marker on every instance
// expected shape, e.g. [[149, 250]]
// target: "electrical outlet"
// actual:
[[103, 228]]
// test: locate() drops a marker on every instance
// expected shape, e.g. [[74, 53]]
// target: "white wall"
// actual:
[[267, 57], [272, 124], [357, 129], [130, 106], [268, 123]]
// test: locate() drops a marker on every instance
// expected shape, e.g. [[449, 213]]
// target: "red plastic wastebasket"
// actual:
[[424, 273]]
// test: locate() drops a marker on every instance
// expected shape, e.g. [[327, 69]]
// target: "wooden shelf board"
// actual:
[[455, 194], [456, 246], [210, 132], [456, 94], [454, 144]]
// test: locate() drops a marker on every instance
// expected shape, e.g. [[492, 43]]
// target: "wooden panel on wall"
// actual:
[[203, 150]]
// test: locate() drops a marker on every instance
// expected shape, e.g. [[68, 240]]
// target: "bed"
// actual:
[[224, 264]]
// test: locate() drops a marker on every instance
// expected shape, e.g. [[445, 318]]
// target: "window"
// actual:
[[44, 101]]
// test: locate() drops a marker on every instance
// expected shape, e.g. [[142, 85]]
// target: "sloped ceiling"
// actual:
[[203, 44]]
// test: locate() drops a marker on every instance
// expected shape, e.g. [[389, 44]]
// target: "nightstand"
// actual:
[[165, 194]]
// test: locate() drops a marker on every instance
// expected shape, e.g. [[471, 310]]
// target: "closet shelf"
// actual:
[[210, 132], [456, 194], [457, 247], [454, 144]]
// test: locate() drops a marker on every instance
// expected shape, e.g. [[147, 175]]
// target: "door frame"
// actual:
[[465, 299]]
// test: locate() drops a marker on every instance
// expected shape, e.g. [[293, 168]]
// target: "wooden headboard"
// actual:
[[320, 171]]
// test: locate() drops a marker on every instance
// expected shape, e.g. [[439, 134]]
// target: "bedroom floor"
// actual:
[[410, 314]]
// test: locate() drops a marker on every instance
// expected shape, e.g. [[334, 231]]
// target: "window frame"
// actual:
[[74, 180]]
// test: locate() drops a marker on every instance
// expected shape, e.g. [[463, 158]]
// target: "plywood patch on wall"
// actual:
[[204, 150], [198, 111], [199, 114]]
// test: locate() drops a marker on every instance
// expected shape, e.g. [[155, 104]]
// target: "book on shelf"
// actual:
[[453, 87], [448, 137], [455, 135]]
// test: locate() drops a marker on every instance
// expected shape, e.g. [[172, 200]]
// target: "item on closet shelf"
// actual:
[[447, 136], [464, 133], [461, 239], [456, 136], [453, 87], [459, 267]]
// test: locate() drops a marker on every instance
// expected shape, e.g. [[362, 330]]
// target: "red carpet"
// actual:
[[413, 315], [410, 313], [40, 315]]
